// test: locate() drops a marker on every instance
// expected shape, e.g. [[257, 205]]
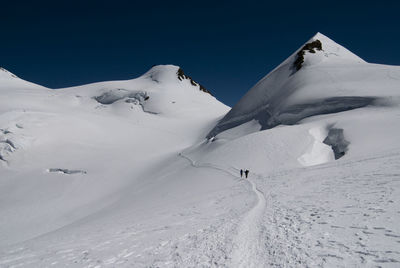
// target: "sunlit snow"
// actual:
[[145, 172]]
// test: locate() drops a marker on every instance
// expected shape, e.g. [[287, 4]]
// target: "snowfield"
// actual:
[[145, 172]]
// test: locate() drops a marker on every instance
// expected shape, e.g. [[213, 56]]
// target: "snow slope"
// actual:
[[65, 156], [330, 80], [121, 174], [288, 130]]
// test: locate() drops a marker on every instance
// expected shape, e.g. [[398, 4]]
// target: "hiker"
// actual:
[[241, 173], [247, 173]]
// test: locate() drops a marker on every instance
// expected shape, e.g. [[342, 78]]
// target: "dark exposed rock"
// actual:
[[310, 47], [182, 76]]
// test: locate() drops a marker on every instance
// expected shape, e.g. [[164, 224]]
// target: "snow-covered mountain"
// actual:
[[145, 172], [67, 153], [319, 135], [321, 77]]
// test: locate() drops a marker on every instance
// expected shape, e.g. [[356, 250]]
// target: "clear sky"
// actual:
[[225, 45]]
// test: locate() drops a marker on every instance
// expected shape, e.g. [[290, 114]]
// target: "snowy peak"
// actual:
[[170, 74], [6, 74], [163, 90], [333, 50], [162, 73], [321, 77], [321, 48]]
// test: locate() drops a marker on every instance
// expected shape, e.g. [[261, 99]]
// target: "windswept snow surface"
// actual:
[[119, 174]]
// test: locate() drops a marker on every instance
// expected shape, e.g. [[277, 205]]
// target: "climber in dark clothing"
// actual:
[[246, 173], [241, 173]]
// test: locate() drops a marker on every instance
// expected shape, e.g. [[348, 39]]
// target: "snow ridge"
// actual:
[[6, 74], [319, 78], [182, 75]]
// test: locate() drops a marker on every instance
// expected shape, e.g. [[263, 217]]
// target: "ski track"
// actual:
[[248, 249]]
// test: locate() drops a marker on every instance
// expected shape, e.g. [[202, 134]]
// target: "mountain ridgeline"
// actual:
[[121, 174], [181, 76], [322, 77]]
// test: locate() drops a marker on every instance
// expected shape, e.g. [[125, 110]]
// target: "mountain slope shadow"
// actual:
[[293, 114]]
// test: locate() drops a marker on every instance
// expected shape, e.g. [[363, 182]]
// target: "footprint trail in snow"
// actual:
[[248, 244]]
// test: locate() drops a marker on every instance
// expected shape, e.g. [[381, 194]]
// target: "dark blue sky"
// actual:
[[225, 45]]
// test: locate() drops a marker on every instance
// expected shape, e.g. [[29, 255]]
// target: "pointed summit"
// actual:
[[333, 51], [303, 78], [319, 35], [321, 48]]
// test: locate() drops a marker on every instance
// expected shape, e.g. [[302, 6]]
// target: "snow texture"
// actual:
[[120, 174]]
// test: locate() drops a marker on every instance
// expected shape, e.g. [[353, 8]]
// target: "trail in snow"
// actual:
[[248, 247], [248, 250], [233, 171]]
